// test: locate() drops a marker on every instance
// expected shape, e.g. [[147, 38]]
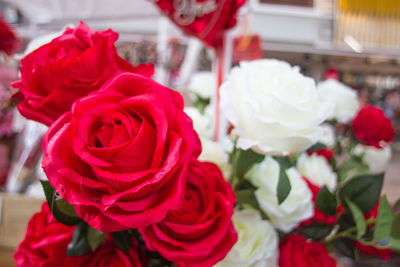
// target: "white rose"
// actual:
[[377, 159], [342, 97], [273, 107], [203, 84], [214, 152], [317, 170], [257, 243], [328, 136], [201, 123], [296, 208]]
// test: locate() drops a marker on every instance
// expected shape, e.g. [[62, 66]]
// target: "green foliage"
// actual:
[[79, 245], [243, 160], [95, 238], [384, 220], [317, 146], [395, 231], [316, 231], [358, 217], [326, 202], [363, 191], [351, 168], [123, 240], [284, 186], [61, 209], [346, 247]]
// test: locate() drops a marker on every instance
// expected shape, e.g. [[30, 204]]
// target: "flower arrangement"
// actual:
[[130, 185]]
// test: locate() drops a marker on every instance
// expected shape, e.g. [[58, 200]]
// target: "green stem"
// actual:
[[347, 233]]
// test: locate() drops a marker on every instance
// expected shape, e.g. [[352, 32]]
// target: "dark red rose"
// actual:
[[206, 20], [371, 250], [319, 216], [200, 232], [296, 251], [120, 156], [324, 152], [74, 64], [372, 128], [9, 42], [109, 255], [45, 243]]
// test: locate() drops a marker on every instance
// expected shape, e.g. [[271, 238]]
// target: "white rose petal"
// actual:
[[328, 137], [203, 84], [257, 243], [342, 97], [377, 159], [296, 208], [273, 107], [201, 123], [317, 170], [215, 153]]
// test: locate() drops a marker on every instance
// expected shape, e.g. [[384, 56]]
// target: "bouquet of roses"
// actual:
[[129, 184]]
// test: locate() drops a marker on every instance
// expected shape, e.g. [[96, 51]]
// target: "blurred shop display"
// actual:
[[368, 23]]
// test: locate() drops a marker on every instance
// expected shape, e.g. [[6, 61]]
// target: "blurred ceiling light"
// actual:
[[353, 43]]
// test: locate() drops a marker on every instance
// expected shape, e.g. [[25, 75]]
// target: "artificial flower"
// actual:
[[342, 97], [120, 156], [296, 251], [200, 232], [297, 206], [71, 66], [257, 243], [376, 159], [372, 128], [318, 170], [274, 108]]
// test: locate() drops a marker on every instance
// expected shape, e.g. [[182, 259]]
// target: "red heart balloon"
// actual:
[[205, 19]]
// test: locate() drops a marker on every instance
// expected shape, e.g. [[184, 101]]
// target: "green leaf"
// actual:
[[358, 217], [364, 191], [384, 220], [95, 238], [317, 146], [351, 168], [394, 244], [284, 186], [61, 209], [79, 245], [346, 247], [243, 160], [397, 204], [123, 240], [316, 231], [395, 232], [246, 197], [326, 201]]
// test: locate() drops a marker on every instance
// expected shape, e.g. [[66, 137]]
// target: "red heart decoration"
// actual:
[[205, 19]]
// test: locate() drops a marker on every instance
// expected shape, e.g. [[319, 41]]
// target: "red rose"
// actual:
[[371, 250], [324, 152], [120, 155], [296, 251], [45, 243], [8, 40], [372, 128], [200, 233], [109, 255], [69, 67], [319, 216]]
